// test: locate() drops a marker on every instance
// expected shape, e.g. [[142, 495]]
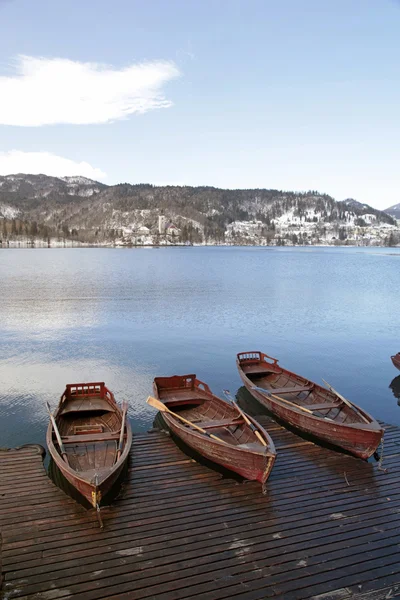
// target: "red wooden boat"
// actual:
[[396, 360], [92, 452], [309, 407], [239, 449]]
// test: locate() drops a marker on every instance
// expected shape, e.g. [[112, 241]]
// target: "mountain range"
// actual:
[[86, 211]]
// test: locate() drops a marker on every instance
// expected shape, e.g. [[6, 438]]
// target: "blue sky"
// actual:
[[295, 94]]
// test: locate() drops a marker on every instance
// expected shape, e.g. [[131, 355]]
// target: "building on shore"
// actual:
[[162, 224]]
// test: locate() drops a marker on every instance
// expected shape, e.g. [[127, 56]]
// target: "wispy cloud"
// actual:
[[43, 91], [16, 161]]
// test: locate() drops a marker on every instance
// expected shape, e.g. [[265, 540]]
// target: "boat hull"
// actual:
[[235, 446], [255, 467], [360, 440], [396, 360], [86, 489]]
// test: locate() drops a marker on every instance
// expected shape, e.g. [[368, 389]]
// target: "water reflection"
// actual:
[[395, 387], [248, 403]]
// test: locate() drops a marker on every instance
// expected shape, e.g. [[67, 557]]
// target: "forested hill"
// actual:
[[86, 210], [393, 211]]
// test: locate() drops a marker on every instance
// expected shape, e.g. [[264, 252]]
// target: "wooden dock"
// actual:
[[329, 528]]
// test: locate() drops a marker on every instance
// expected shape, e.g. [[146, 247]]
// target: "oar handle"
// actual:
[[58, 436], [245, 417]]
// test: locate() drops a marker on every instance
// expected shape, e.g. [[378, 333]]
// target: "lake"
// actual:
[[124, 316]]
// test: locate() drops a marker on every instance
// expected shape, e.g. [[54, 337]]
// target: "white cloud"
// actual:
[[16, 161], [45, 91]]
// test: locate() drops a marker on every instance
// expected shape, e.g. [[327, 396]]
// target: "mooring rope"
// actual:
[[380, 462], [266, 466]]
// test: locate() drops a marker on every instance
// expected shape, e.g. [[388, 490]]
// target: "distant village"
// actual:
[[168, 234]]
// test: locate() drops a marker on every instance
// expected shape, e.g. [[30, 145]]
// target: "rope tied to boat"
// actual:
[[96, 498], [266, 467], [380, 462]]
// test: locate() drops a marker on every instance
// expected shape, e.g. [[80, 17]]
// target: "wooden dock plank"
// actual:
[[181, 530]]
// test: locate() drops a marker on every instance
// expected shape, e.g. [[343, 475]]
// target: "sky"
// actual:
[[293, 95]]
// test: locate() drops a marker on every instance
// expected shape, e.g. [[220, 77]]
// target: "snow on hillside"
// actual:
[[393, 211], [81, 186], [78, 179], [84, 193], [8, 212]]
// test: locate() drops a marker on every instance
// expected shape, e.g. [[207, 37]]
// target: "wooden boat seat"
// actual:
[[178, 401], [291, 390], [82, 429], [260, 369], [221, 423], [91, 437], [85, 404], [323, 406]]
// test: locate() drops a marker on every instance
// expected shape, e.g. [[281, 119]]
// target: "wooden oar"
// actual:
[[121, 435], [307, 410], [346, 401], [162, 408], [58, 436], [245, 417]]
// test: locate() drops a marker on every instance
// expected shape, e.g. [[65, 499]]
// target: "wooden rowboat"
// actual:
[[237, 446], [95, 439], [309, 407], [396, 360]]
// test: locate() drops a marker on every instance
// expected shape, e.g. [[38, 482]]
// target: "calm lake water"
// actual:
[[125, 316]]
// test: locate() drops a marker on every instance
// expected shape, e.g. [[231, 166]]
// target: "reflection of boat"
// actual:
[[309, 407], [396, 360], [236, 448], [395, 387], [248, 403], [90, 456]]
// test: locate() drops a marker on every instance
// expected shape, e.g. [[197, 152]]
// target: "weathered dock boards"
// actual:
[[329, 525]]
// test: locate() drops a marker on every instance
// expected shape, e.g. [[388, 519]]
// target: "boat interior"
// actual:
[[90, 427], [193, 400], [264, 372]]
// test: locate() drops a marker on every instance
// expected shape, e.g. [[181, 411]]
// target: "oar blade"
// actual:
[[156, 403]]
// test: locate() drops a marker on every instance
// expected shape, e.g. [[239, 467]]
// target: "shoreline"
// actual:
[[20, 246]]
